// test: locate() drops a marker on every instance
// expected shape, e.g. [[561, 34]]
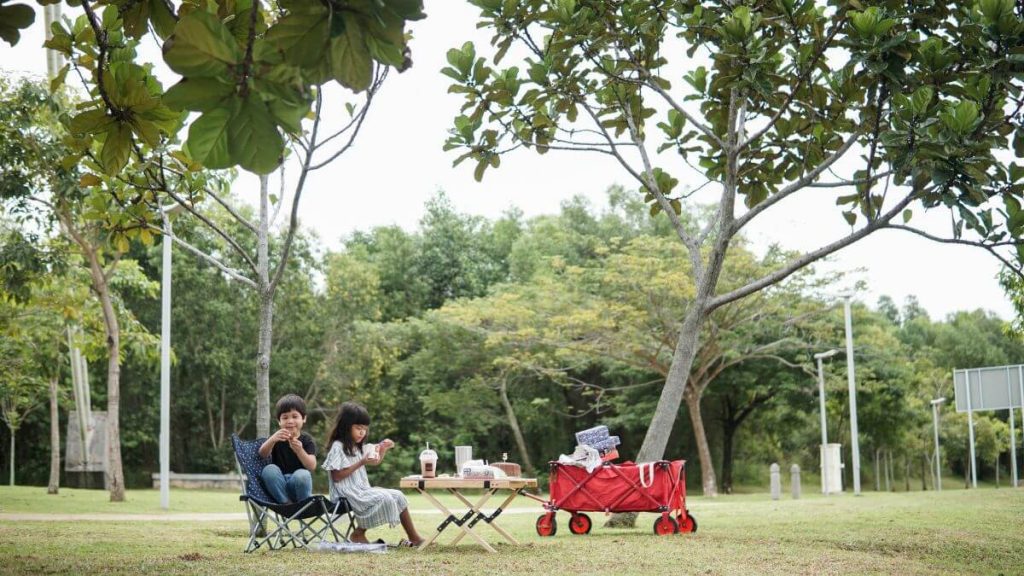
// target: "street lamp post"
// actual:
[[824, 431], [165, 360], [854, 441], [935, 424]]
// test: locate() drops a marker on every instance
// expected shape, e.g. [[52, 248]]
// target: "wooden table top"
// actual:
[[456, 482]]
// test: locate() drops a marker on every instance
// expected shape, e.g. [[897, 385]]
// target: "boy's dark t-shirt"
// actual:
[[282, 454]]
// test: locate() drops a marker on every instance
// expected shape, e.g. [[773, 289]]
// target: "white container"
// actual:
[[832, 469], [463, 454], [428, 463]]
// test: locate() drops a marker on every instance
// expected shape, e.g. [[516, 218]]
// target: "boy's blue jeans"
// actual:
[[285, 488]]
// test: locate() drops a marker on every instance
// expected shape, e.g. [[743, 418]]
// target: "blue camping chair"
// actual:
[[279, 525]]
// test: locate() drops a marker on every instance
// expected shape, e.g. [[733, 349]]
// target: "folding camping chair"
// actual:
[[270, 523]]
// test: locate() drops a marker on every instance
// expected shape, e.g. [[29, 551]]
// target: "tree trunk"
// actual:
[[925, 461], [887, 454], [906, 472], [266, 295], [12, 454], [997, 472], [115, 473], [707, 467], [878, 486], [660, 428], [513, 422], [728, 437], [54, 484]]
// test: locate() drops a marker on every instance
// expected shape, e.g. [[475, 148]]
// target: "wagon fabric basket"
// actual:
[[658, 487]]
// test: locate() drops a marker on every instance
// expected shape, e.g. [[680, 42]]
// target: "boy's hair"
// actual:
[[349, 415], [290, 402]]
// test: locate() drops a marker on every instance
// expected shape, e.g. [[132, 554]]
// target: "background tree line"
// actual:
[[509, 335]]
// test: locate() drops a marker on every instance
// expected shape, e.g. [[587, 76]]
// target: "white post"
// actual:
[[855, 443], [775, 481], [1013, 431], [165, 371], [1020, 383], [824, 430], [970, 427], [938, 457]]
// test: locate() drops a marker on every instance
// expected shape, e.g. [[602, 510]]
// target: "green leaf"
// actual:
[[58, 80], [302, 34], [350, 59], [1016, 172], [13, 19], [162, 18], [199, 94], [287, 115], [89, 180], [90, 122], [907, 215], [201, 46], [921, 99], [208, 137], [253, 140], [116, 149]]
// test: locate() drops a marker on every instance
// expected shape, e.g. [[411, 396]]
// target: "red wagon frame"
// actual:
[[618, 488]]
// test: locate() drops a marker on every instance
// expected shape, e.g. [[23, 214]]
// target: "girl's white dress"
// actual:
[[372, 506]]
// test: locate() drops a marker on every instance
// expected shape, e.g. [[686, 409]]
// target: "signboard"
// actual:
[[993, 388]]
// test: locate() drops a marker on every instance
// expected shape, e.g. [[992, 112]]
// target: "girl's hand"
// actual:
[[386, 443], [367, 460]]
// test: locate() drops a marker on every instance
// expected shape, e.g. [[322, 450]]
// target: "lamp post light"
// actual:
[[854, 440], [824, 431], [935, 424]]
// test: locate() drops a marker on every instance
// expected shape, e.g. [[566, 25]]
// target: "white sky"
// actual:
[[398, 163]]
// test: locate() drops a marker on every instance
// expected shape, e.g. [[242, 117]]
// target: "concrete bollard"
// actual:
[[794, 478], [776, 482]]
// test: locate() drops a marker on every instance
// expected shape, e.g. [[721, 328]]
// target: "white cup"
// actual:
[[463, 454]]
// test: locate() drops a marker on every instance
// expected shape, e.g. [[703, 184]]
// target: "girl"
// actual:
[[346, 462]]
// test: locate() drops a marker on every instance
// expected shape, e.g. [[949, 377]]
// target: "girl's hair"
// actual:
[[349, 415]]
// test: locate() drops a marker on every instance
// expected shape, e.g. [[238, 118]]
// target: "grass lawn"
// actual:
[[956, 531]]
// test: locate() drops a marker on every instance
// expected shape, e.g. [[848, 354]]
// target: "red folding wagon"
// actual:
[[658, 487]]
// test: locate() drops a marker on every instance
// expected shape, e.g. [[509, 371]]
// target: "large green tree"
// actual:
[[897, 106], [252, 82]]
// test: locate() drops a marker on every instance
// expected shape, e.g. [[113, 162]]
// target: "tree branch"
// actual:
[[293, 222], [810, 257], [237, 216], [234, 274], [795, 186], [990, 248]]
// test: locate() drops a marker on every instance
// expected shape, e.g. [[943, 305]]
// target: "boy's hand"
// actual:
[[296, 445], [282, 435]]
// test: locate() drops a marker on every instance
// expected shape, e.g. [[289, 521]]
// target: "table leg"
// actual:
[[491, 520], [452, 518], [474, 508]]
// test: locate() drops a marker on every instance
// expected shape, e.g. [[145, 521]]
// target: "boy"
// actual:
[[292, 453]]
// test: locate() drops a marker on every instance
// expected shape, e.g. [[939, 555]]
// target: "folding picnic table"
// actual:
[[474, 515]]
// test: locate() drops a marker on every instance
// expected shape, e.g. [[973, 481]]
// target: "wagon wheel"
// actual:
[[687, 523], [665, 525], [546, 524], [580, 523]]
